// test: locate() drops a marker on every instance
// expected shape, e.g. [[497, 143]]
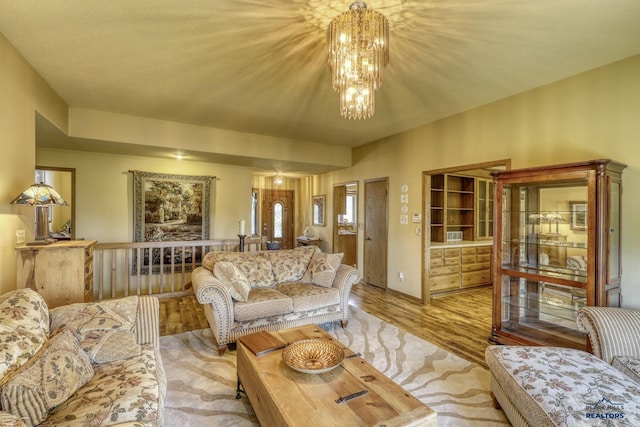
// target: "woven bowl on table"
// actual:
[[313, 356]]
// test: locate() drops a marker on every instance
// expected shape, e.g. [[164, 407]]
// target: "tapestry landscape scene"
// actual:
[[172, 211], [171, 208]]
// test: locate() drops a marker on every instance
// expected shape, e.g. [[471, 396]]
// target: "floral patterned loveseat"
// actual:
[[245, 292], [553, 386], [91, 364]]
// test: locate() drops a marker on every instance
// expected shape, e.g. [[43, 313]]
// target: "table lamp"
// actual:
[[41, 196]]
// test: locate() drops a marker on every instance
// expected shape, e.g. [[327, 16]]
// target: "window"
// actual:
[[254, 213], [350, 215], [277, 220]]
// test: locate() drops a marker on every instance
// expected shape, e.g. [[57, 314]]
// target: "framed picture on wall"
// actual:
[[579, 215]]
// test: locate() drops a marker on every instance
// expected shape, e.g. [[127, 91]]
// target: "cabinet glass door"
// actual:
[[484, 209], [545, 241]]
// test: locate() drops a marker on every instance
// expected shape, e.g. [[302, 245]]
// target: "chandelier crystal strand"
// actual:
[[358, 51]]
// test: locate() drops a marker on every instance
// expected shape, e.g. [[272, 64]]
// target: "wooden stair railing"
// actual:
[[154, 268]]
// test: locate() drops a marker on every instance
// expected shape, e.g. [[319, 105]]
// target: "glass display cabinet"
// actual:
[[557, 249]]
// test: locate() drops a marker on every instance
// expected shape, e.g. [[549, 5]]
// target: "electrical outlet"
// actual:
[[21, 237]]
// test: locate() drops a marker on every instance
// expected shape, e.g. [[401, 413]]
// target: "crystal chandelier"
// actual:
[[358, 45]]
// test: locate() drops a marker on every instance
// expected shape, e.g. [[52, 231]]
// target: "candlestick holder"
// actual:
[[241, 237]]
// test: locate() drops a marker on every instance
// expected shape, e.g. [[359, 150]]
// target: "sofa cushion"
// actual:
[[255, 266], [630, 366], [290, 264], [262, 302], [124, 391], [104, 329], [308, 297], [24, 327], [47, 380], [322, 269], [233, 279], [553, 386]]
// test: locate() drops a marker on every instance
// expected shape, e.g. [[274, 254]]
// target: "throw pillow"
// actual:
[[104, 329], [322, 269], [47, 380], [24, 327], [289, 265], [255, 266], [233, 279]]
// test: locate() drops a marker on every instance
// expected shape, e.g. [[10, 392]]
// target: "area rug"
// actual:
[[202, 385]]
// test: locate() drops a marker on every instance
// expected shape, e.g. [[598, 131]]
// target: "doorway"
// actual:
[[62, 219], [278, 217], [345, 222], [376, 224], [458, 217]]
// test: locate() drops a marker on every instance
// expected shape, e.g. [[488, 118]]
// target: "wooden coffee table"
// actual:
[[281, 396]]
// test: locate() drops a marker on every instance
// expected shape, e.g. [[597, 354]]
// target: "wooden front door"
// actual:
[[278, 217], [375, 232]]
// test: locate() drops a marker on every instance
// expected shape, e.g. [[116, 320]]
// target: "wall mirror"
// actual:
[[62, 219], [318, 210]]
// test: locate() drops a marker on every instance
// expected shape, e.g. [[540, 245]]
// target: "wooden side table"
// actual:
[[308, 242], [61, 272]]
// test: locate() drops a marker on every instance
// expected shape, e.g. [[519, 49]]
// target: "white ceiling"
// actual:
[[259, 66]]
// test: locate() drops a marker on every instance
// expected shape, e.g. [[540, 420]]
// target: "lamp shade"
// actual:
[[39, 195]]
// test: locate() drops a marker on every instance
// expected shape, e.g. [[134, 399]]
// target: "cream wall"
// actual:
[[104, 191], [23, 92], [106, 126], [592, 115], [588, 116]]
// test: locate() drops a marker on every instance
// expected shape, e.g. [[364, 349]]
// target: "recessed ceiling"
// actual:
[[259, 66]]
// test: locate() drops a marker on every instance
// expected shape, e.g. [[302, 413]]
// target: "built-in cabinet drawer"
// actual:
[[468, 259], [443, 283], [456, 268], [436, 262], [444, 271], [476, 266], [452, 261], [451, 253], [439, 271], [476, 278]]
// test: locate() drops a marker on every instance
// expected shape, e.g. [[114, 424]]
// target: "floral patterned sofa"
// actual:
[[93, 364], [245, 292], [553, 386]]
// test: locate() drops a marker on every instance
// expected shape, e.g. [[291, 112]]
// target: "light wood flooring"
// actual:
[[459, 323]]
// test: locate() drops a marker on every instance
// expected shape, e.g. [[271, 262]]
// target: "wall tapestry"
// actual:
[[171, 208]]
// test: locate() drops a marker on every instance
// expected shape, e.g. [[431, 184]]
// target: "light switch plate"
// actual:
[[21, 237]]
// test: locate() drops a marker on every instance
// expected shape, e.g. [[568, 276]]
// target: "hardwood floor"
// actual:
[[459, 323], [181, 314]]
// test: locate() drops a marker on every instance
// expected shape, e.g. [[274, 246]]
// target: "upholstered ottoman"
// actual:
[[552, 386]]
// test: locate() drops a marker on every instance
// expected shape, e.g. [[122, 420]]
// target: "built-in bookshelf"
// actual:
[[452, 208]]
